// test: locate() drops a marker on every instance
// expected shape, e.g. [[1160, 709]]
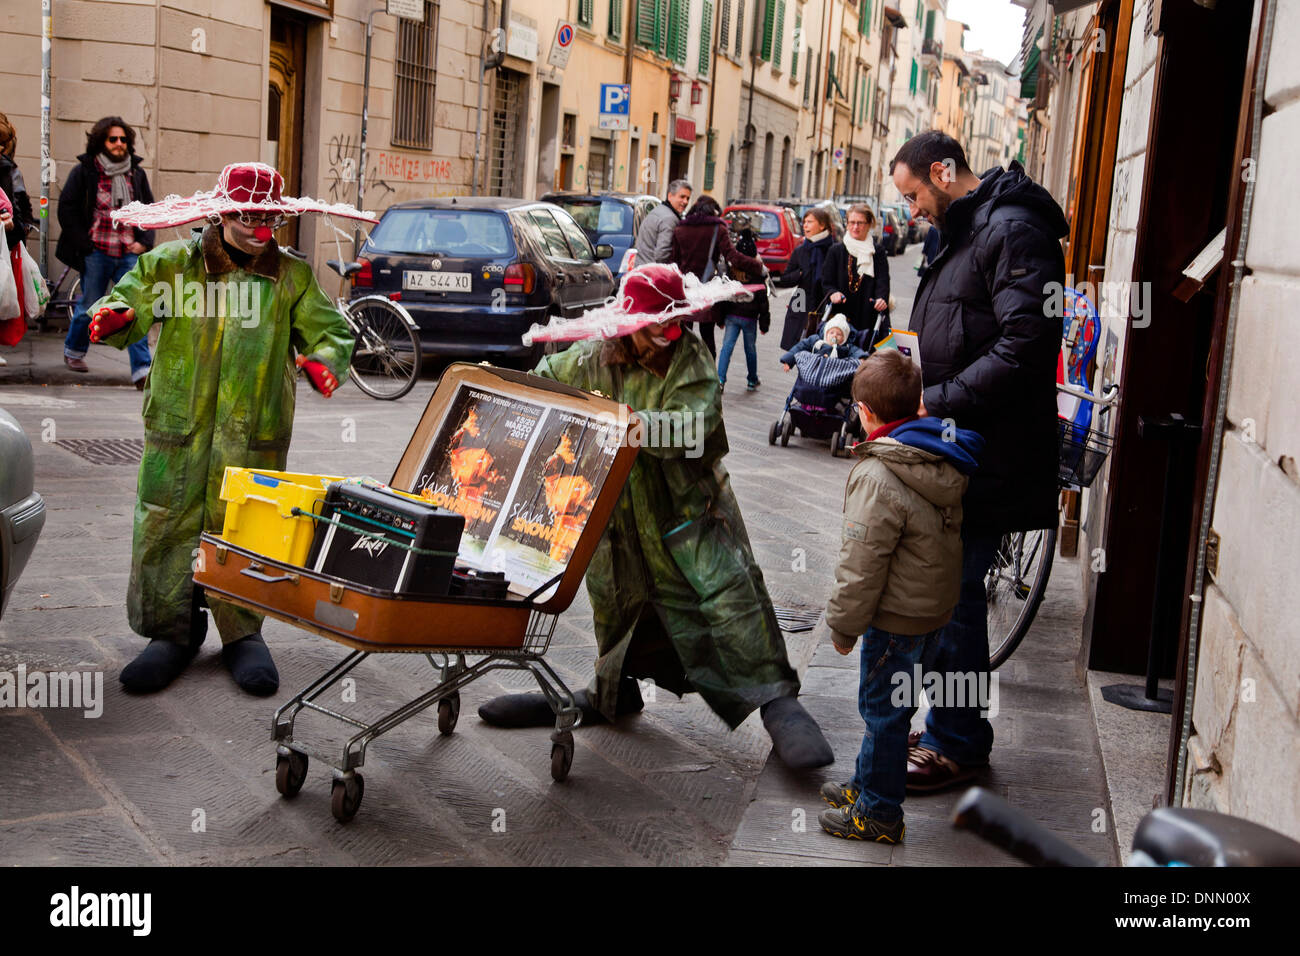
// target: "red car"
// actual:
[[777, 235]]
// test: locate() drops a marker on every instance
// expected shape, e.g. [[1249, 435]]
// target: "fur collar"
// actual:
[[217, 262]]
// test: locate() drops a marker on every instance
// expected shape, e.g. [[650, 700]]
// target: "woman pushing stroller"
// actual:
[[856, 276]]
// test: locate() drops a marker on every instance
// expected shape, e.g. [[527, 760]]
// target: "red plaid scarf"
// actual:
[[109, 239]]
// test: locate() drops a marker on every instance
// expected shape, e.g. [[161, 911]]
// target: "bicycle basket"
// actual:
[[1082, 453]]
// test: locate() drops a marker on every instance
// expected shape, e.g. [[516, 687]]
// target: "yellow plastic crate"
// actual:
[[259, 511]]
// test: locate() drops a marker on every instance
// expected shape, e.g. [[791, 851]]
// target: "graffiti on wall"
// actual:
[[385, 171]]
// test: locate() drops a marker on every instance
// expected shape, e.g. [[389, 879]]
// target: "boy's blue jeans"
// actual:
[[736, 326], [102, 269], [887, 704]]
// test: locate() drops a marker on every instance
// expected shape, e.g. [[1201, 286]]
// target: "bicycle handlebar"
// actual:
[[989, 816]]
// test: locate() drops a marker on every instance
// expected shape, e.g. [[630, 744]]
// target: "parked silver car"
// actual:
[[22, 509]]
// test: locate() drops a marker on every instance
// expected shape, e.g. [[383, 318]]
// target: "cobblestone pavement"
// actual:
[[187, 776]]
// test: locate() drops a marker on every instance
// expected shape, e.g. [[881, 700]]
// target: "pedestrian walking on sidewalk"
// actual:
[[989, 349], [16, 219], [654, 240], [745, 320], [856, 274], [699, 242], [108, 175], [222, 395]]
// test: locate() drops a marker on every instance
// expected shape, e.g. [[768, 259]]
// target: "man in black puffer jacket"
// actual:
[[988, 356]]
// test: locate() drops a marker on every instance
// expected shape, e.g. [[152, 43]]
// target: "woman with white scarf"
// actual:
[[805, 271], [856, 274]]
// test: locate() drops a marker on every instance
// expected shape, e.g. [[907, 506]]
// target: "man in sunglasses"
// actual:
[[107, 176]]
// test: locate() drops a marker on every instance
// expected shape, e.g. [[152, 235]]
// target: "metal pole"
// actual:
[[365, 117], [47, 165], [478, 113]]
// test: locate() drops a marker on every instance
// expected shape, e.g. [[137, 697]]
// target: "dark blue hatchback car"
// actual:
[[476, 273], [608, 217]]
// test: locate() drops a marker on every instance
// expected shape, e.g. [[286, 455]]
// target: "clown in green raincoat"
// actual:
[[233, 309], [676, 594]]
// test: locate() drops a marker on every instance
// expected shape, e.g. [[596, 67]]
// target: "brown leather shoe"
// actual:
[[139, 385], [77, 365], [929, 772]]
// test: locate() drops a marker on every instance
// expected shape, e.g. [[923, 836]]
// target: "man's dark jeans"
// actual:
[[101, 270], [960, 733], [888, 691]]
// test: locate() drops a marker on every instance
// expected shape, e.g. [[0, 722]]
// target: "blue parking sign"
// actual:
[[615, 97]]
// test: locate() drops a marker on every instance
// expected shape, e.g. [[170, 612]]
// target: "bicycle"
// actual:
[[1016, 581], [387, 357], [61, 307]]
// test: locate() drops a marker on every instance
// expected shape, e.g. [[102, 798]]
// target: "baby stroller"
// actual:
[[820, 405]]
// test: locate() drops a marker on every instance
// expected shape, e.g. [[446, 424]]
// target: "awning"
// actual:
[[894, 17]]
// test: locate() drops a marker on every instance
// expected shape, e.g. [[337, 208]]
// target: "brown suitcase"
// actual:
[[372, 619]]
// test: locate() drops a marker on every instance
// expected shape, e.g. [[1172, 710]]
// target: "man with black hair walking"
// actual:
[[108, 175], [988, 359]]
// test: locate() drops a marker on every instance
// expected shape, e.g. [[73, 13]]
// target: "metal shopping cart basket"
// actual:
[[463, 637]]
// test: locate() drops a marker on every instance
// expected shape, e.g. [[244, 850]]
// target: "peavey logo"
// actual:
[[372, 546], [76, 909]]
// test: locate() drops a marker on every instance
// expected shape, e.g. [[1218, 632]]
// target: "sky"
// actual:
[[996, 26]]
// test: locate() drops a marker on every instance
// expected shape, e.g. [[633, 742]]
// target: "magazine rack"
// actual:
[[532, 445]]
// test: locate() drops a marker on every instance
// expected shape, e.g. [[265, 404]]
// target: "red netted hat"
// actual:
[[241, 188], [651, 293]]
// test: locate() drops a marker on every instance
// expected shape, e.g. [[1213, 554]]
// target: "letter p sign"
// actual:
[[614, 97]]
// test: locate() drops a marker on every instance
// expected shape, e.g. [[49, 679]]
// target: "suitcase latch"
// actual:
[[222, 552], [336, 593]]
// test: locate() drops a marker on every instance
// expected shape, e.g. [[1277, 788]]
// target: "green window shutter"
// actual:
[[864, 16], [740, 27], [925, 75], [724, 25], [780, 33], [706, 37], [807, 79], [929, 25], [662, 39], [646, 18], [585, 12], [911, 85], [670, 38], [615, 27], [679, 30], [830, 72], [797, 42], [710, 151], [769, 21], [920, 7]]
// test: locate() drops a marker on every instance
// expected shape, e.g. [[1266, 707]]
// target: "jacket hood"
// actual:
[[961, 446], [922, 471], [695, 219], [1009, 187]]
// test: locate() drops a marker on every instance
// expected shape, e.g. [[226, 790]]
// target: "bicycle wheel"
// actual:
[[386, 358], [1014, 586]]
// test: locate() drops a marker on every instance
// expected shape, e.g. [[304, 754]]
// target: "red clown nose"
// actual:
[[673, 332], [262, 233]]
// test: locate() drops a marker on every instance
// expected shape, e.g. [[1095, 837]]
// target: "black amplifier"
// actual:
[[372, 536]]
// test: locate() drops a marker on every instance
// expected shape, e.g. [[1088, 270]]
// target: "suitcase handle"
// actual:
[[254, 570]]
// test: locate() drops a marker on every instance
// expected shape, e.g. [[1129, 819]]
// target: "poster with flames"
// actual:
[[473, 460], [524, 474]]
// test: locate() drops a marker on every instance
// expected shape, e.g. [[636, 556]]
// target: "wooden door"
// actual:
[[284, 107]]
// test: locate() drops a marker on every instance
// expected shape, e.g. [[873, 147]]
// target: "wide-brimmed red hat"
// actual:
[[650, 294], [241, 188]]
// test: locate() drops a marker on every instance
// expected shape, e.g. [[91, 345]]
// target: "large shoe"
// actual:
[[76, 364], [250, 664], [839, 794], [842, 823], [796, 739], [157, 665], [930, 772], [533, 710]]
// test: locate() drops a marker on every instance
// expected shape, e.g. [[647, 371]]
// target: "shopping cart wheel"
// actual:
[[561, 756], [448, 714], [345, 798], [773, 432], [290, 772], [787, 429]]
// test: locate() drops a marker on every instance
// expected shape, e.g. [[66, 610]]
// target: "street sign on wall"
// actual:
[[615, 99], [522, 38], [561, 45], [407, 9]]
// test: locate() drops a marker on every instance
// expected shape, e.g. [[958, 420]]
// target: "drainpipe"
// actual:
[[365, 118], [713, 90], [1220, 414], [47, 165], [484, 66]]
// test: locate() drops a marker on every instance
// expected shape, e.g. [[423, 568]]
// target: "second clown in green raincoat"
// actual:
[[233, 309], [676, 594]]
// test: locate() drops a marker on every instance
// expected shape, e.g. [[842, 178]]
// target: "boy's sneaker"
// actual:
[[839, 794], [842, 823], [750, 386]]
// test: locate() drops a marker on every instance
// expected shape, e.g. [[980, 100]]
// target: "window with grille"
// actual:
[[780, 33], [414, 80], [586, 12], [615, 27], [795, 42], [706, 37], [740, 25], [724, 25]]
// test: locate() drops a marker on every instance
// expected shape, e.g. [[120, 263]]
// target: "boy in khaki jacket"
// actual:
[[896, 582]]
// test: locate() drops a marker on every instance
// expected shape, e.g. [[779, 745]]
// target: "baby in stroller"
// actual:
[[820, 405]]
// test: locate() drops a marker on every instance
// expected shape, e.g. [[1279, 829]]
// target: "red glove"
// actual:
[[322, 379], [109, 320]]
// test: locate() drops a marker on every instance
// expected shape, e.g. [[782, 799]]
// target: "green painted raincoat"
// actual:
[[675, 592], [220, 392]]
